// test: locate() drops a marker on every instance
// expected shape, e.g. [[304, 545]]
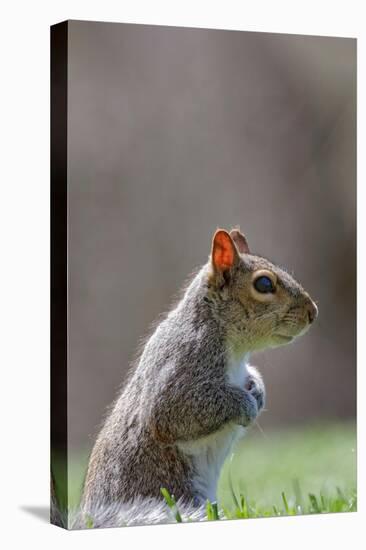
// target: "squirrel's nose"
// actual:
[[312, 310]]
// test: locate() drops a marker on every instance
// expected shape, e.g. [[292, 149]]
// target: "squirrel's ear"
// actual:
[[240, 241], [224, 253]]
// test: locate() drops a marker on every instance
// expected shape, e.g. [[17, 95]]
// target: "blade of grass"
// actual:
[[170, 500], [244, 506], [209, 511], [314, 504], [215, 511], [285, 503], [89, 523]]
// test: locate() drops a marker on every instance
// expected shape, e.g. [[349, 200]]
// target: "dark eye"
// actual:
[[264, 285]]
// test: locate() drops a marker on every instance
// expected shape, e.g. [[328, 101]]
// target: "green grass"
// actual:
[[309, 504], [318, 460], [289, 472]]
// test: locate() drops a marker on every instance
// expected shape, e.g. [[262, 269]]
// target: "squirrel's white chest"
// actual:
[[237, 371], [209, 453]]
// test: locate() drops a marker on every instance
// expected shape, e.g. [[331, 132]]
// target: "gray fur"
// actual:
[[168, 419], [140, 511]]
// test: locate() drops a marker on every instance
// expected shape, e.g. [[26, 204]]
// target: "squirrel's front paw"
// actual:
[[255, 386], [251, 410]]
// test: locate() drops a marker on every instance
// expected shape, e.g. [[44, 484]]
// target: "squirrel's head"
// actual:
[[261, 305]]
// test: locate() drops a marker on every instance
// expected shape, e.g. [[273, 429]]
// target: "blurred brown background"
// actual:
[[174, 132]]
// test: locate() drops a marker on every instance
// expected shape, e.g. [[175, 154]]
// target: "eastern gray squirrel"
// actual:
[[193, 392]]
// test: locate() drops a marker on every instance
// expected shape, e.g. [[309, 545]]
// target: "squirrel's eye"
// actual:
[[264, 285]]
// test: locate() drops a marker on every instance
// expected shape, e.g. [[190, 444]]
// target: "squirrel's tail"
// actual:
[[141, 511]]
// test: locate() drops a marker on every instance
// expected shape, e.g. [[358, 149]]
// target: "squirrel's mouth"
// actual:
[[289, 333], [281, 339]]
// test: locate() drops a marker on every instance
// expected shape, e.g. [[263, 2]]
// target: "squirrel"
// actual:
[[193, 392]]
